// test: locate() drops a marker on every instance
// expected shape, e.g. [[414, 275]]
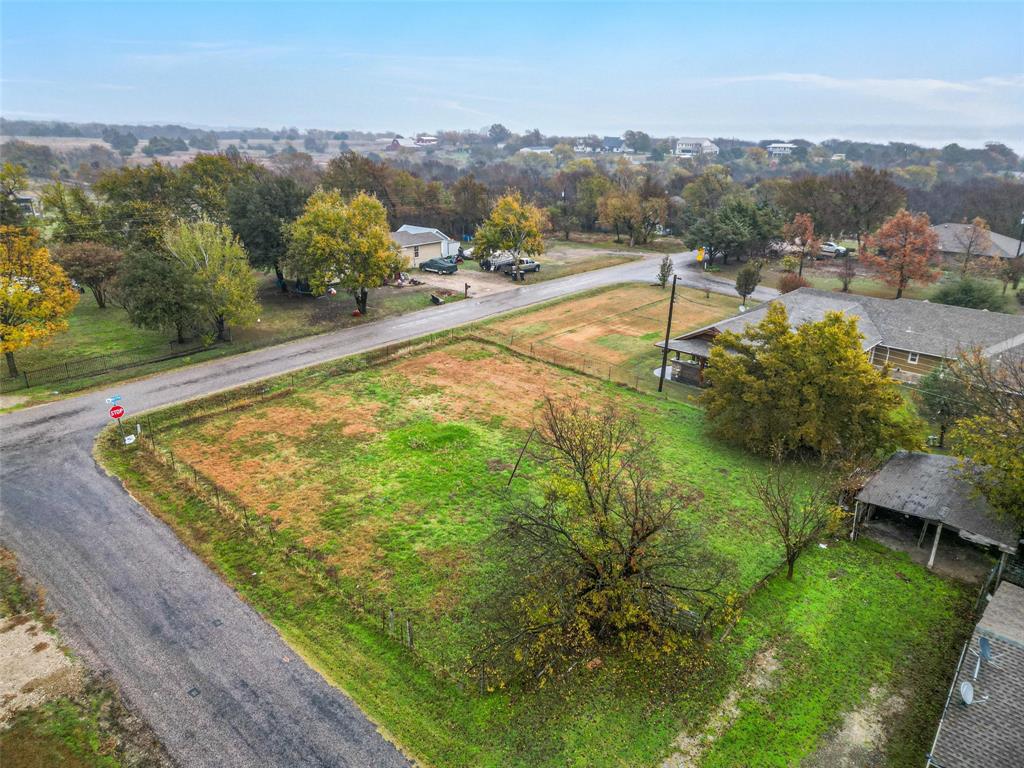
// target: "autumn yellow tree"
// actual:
[[36, 295], [348, 242], [904, 249], [513, 226]]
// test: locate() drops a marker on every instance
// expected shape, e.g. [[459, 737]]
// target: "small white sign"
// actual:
[[129, 439]]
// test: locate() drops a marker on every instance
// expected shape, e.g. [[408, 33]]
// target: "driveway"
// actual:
[[216, 681]]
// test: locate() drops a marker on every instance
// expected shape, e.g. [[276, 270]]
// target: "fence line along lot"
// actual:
[[353, 504]]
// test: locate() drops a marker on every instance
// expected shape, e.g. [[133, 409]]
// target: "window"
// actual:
[[415, 252], [911, 357]]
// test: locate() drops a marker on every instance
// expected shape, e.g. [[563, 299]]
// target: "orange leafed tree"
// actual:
[[800, 232], [904, 249]]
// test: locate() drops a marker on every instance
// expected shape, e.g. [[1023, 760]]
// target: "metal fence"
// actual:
[[84, 367]]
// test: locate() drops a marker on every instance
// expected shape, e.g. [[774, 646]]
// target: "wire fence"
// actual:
[[412, 628], [85, 367]]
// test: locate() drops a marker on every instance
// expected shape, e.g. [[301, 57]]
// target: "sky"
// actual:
[[927, 72]]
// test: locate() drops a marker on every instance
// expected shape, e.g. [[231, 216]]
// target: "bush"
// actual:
[[972, 293], [790, 281]]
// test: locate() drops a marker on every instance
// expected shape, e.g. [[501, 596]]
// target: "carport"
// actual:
[[932, 487]]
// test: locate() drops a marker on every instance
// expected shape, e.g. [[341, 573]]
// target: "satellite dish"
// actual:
[[967, 693], [985, 648]]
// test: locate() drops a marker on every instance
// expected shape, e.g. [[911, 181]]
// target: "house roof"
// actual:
[[416, 230], [932, 487], [612, 142], [409, 239], [916, 326], [988, 732], [953, 236], [693, 140]]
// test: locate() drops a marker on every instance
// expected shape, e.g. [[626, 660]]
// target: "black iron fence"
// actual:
[[84, 367]]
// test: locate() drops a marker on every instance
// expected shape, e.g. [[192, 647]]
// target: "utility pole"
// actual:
[[668, 333]]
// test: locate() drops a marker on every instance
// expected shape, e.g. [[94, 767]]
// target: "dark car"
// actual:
[[443, 266]]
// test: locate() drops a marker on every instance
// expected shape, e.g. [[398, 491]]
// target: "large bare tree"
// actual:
[[602, 558]]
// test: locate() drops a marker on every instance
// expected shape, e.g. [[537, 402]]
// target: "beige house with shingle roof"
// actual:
[[953, 239], [906, 336]]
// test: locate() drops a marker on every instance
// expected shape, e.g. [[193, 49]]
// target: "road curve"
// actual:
[[216, 681]]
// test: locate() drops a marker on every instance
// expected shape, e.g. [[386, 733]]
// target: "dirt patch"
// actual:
[[32, 671], [499, 385], [360, 557], [446, 565], [691, 747], [859, 740], [612, 326]]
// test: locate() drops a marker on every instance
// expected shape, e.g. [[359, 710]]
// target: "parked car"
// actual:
[[832, 249], [442, 266], [525, 265]]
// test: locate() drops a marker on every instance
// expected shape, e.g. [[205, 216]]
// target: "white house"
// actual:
[[449, 245], [426, 141], [536, 150], [690, 146], [780, 148]]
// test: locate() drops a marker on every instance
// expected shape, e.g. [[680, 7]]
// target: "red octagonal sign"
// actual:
[[116, 412]]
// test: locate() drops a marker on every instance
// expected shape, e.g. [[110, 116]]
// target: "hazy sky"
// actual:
[[931, 72]]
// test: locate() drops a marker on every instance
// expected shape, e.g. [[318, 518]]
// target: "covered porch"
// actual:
[[929, 491], [689, 358]]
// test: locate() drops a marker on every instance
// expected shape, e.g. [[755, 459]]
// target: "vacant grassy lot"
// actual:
[[615, 327], [386, 483]]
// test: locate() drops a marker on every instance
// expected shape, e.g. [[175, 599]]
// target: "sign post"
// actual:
[[116, 412]]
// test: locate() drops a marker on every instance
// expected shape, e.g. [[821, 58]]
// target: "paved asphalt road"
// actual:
[[215, 680]]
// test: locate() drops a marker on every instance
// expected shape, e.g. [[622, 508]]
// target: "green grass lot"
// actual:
[[386, 483], [93, 331], [821, 274], [562, 258]]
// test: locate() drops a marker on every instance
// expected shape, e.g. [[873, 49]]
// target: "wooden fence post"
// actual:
[[408, 630]]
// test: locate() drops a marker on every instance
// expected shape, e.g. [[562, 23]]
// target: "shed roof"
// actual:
[[932, 487], [988, 732]]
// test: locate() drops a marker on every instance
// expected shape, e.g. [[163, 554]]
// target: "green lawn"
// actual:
[[93, 331], [384, 484]]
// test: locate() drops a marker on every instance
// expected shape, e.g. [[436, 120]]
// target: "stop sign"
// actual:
[[116, 412]]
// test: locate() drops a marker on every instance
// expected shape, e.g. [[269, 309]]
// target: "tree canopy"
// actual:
[[345, 242], [904, 249], [808, 389], [91, 264], [513, 226], [36, 296], [259, 212], [217, 262]]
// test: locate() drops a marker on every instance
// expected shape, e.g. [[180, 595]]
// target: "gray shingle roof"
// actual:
[[406, 239], [931, 486], [989, 732], [908, 324], [953, 236]]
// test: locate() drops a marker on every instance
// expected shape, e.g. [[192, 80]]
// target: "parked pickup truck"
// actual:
[[525, 265]]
